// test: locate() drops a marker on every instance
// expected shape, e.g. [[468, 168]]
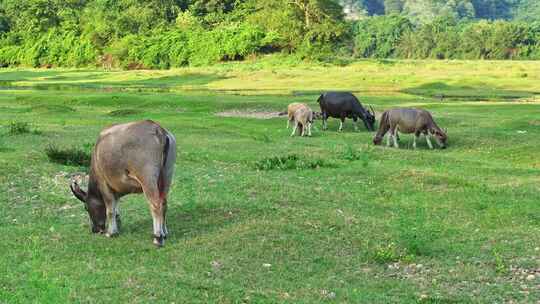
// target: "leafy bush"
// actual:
[[196, 46], [72, 156]]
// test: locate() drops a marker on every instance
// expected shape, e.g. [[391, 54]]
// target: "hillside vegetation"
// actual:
[[162, 34]]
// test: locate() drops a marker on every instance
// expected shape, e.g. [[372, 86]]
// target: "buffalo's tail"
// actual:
[[167, 170]]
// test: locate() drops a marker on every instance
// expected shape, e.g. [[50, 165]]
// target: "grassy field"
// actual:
[[367, 225]]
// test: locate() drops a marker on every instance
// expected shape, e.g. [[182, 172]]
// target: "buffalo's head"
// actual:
[[377, 140], [94, 206], [370, 119], [440, 137], [317, 115]]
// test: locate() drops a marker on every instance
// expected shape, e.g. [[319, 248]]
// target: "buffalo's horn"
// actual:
[[77, 191], [372, 111]]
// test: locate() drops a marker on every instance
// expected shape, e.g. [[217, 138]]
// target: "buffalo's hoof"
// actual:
[[159, 241], [111, 234], [98, 230]]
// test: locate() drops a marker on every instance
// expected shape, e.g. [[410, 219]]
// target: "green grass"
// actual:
[[378, 225]]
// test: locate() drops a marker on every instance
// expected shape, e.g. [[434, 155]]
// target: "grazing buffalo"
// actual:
[[345, 105], [409, 121], [129, 158], [302, 118], [291, 108]]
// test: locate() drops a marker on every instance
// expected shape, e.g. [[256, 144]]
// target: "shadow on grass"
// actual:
[[13, 76], [95, 82], [443, 91], [182, 222]]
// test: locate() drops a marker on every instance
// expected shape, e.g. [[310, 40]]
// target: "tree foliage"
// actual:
[[173, 33]]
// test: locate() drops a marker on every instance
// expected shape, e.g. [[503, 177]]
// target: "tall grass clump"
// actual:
[[387, 253], [290, 162], [350, 154], [71, 156], [18, 128], [418, 233]]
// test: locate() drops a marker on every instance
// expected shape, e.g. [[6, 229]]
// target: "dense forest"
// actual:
[[421, 11], [173, 33]]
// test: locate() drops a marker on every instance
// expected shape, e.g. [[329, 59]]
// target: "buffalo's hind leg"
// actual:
[[165, 229], [158, 207], [342, 121]]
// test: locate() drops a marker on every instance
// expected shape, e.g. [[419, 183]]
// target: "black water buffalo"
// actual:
[[345, 105]]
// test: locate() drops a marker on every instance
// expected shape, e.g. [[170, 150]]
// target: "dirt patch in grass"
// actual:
[[257, 114]]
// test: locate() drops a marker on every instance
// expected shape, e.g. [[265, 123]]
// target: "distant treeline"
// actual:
[[445, 38], [161, 34]]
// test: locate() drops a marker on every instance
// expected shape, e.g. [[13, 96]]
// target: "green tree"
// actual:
[[379, 37]]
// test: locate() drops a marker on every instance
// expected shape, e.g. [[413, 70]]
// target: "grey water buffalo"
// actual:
[[345, 105], [409, 121], [136, 157]]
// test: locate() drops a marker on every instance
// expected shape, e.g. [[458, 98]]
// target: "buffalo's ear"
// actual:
[[78, 192]]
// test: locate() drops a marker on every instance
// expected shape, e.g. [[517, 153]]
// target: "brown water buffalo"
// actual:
[[129, 158], [303, 118], [291, 108], [409, 121]]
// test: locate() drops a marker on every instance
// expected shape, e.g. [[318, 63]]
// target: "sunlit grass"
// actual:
[[378, 225]]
